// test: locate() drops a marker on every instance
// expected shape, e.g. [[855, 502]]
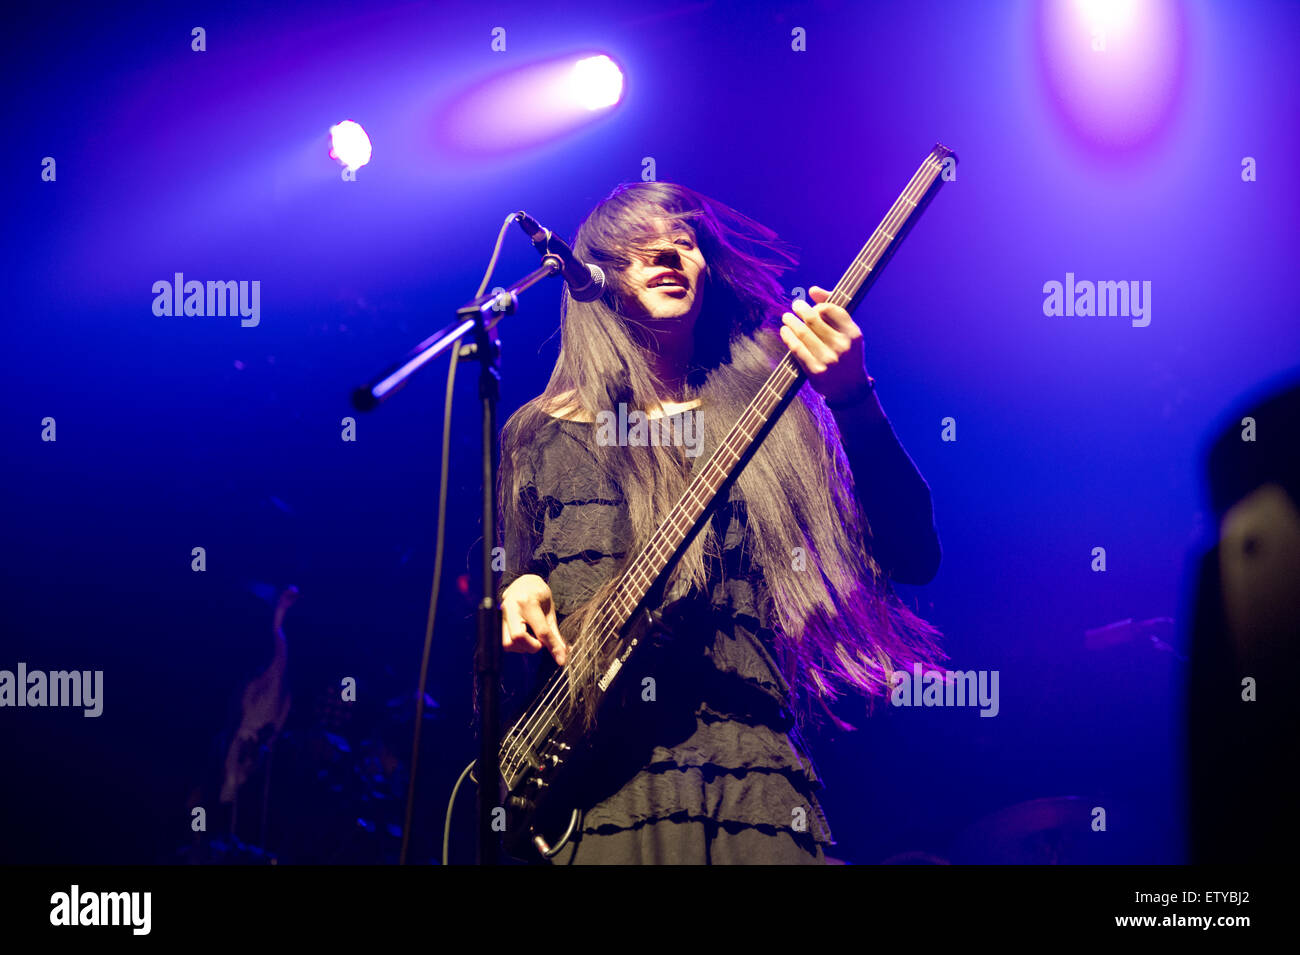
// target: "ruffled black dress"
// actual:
[[700, 760]]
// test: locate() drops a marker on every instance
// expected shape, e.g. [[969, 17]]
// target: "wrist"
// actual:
[[864, 392]]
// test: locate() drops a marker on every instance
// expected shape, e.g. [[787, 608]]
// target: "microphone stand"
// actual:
[[486, 349]]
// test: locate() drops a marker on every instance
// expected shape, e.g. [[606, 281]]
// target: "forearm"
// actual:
[[894, 496]]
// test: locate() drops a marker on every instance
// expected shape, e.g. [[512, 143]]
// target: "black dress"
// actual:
[[700, 759]]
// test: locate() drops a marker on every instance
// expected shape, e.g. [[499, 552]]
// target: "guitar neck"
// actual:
[[675, 533]]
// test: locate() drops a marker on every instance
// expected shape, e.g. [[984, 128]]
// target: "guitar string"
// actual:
[[543, 710], [515, 755]]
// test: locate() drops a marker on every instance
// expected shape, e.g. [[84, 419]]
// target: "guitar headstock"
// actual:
[[940, 153]]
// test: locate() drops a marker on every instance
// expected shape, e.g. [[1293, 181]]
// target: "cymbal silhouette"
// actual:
[[1050, 831]]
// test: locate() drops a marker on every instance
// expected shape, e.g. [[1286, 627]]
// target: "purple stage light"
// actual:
[[349, 144], [1104, 17], [529, 105], [1113, 69]]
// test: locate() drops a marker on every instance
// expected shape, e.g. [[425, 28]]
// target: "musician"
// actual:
[[701, 758]]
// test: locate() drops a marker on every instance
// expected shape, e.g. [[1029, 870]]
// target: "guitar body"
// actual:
[[544, 751], [540, 808]]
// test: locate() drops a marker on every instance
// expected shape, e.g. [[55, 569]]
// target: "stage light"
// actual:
[[1106, 15], [1105, 23], [596, 82], [349, 144], [529, 105], [1114, 70]]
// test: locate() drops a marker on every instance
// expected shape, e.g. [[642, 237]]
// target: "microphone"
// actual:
[[586, 282]]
